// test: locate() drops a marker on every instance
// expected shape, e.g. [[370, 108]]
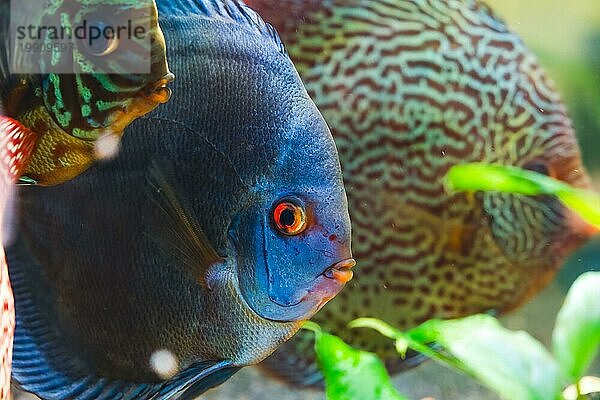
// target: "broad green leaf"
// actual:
[[349, 373], [513, 364], [576, 335], [500, 178]]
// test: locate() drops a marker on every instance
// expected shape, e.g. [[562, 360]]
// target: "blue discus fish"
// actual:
[[221, 226]]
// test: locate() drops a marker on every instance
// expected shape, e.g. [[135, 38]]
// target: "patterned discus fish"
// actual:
[[16, 144], [76, 115], [411, 88], [219, 228]]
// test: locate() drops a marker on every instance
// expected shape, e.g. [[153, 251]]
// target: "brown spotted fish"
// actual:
[[410, 88]]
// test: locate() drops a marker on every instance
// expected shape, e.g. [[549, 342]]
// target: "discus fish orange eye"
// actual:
[[289, 218]]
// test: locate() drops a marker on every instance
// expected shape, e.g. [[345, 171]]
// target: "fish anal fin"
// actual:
[[196, 380]]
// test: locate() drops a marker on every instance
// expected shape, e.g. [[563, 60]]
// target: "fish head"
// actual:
[[113, 68], [293, 242], [538, 233]]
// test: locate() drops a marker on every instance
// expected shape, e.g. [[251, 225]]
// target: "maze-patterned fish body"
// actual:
[[410, 88], [70, 112]]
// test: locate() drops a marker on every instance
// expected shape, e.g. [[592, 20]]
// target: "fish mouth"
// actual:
[[583, 229], [325, 287], [305, 303], [342, 271], [329, 284], [159, 92]]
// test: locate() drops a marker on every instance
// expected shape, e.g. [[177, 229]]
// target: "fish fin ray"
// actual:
[[196, 380], [26, 181], [178, 234], [297, 371]]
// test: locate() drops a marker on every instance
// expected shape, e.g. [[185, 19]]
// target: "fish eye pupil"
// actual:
[[287, 217]]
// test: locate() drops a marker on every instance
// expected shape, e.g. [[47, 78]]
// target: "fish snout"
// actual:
[[341, 271], [329, 284]]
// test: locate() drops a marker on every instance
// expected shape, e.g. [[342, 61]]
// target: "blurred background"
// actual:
[[566, 38]]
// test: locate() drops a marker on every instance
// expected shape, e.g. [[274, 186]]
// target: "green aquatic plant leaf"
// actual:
[[501, 178], [350, 373], [417, 339], [512, 364], [576, 336]]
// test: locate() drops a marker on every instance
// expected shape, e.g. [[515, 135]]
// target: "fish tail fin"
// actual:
[[16, 145]]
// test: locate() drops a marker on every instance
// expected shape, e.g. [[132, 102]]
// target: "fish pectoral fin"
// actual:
[[195, 380], [174, 228]]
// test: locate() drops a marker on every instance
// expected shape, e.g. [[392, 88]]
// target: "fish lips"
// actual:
[[327, 285], [158, 91]]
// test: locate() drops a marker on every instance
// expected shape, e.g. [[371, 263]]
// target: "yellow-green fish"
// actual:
[[409, 89], [75, 114]]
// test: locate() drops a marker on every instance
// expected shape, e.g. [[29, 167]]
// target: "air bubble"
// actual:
[[164, 363]]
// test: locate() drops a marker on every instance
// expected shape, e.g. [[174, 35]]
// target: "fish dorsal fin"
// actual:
[[175, 230], [288, 15], [234, 11]]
